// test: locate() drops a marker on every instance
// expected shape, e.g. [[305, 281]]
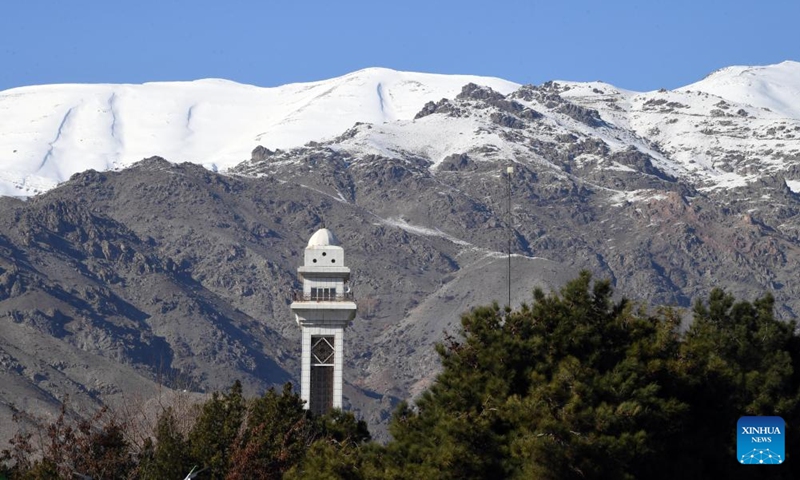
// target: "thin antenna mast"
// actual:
[[509, 172]]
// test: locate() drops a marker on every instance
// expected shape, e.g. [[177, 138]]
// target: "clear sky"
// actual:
[[633, 44]]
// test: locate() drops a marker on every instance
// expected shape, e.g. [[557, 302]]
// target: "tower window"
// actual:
[[321, 401], [323, 293]]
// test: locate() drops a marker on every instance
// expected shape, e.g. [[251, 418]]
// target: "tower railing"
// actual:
[[323, 297]]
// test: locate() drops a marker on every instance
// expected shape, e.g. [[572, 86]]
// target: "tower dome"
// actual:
[[323, 238]]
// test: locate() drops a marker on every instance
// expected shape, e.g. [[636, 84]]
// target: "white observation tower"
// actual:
[[323, 309]]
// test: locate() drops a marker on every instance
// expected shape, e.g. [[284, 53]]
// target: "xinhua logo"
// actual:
[[761, 440]]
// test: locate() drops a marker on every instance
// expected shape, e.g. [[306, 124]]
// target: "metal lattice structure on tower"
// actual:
[[323, 310]]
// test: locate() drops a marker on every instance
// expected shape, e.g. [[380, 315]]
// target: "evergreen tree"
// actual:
[[738, 360], [276, 432], [337, 451], [567, 388], [579, 385], [102, 453], [170, 457], [215, 431]]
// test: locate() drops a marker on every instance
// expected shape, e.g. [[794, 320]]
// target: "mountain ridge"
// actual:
[[46, 135]]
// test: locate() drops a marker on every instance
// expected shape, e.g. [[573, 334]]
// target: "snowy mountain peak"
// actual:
[[772, 87]]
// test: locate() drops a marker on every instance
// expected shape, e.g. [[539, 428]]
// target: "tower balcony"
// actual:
[[323, 307], [322, 295]]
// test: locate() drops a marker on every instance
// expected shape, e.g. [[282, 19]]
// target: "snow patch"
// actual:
[[621, 198], [794, 185], [772, 87], [418, 230]]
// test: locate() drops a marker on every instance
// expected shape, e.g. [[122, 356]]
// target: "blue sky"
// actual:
[[639, 45]]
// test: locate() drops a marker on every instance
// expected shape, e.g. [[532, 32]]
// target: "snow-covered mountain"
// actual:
[[48, 133], [725, 130]]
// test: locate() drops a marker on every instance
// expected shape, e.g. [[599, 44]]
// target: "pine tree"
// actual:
[[338, 450], [738, 360], [216, 429], [170, 457], [579, 385], [276, 432]]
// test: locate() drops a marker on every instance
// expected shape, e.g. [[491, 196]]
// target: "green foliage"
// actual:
[[738, 360], [43, 469], [276, 433], [103, 452], [338, 450], [565, 387], [216, 430], [170, 457], [582, 386], [740, 351], [341, 428]]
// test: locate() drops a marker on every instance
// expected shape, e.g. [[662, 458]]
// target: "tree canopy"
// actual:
[[580, 385]]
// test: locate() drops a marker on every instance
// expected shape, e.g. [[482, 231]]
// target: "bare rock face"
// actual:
[[165, 274]]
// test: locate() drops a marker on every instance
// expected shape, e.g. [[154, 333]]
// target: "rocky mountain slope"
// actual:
[[177, 275]]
